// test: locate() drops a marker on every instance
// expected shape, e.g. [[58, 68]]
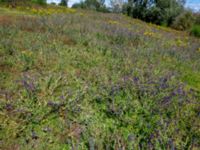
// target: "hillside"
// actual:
[[74, 79]]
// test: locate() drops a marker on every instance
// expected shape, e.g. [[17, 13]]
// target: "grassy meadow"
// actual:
[[74, 79]]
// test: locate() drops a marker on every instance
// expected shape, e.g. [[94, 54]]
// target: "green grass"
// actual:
[[90, 80]]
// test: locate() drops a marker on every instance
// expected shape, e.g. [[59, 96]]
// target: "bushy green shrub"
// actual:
[[195, 30], [184, 21]]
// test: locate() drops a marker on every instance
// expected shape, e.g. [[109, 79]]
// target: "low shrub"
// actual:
[[195, 30]]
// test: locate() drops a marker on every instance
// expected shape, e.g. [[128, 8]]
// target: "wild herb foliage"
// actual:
[[97, 81]]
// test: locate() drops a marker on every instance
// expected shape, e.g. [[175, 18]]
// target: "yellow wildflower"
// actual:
[[180, 43], [112, 22]]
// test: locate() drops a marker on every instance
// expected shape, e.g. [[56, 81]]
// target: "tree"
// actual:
[[64, 3], [170, 9], [116, 5], [93, 4]]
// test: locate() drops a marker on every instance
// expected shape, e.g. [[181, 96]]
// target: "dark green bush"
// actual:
[[195, 30]]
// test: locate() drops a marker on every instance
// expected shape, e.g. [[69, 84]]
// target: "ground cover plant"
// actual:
[[88, 80]]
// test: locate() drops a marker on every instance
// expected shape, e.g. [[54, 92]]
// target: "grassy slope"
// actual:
[[92, 80]]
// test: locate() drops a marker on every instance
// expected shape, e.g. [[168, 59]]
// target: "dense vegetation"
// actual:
[[171, 13], [74, 79]]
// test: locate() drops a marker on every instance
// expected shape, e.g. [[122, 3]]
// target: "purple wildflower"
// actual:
[[8, 107]]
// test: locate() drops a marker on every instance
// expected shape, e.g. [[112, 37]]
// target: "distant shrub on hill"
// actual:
[[78, 5], [92, 4], [53, 3], [184, 21]]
